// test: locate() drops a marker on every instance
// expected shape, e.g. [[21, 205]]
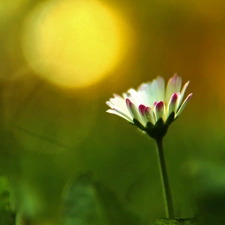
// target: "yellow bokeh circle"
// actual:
[[73, 43]]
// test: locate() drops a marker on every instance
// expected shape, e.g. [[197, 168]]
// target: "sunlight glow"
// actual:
[[74, 43]]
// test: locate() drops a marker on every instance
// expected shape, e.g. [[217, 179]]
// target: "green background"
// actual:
[[49, 135]]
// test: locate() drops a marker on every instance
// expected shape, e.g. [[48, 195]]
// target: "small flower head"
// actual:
[[152, 107]]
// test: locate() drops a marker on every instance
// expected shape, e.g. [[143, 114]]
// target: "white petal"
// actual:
[[150, 115], [158, 85], [114, 107], [159, 110], [152, 91], [134, 111], [110, 104], [183, 105], [141, 109], [121, 114], [147, 114], [172, 105], [133, 95], [117, 102], [118, 107], [182, 93], [173, 86]]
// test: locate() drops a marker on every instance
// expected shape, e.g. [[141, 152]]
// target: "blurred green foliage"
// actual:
[[7, 216], [91, 202]]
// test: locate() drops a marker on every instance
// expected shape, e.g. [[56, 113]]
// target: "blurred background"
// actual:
[[60, 61]]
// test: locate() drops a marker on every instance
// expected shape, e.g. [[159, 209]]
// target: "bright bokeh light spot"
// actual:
[[73, 43]]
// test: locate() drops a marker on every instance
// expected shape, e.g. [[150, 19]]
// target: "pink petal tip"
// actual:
[[174, 98], [129, 103], [159, 105], [142, 109]]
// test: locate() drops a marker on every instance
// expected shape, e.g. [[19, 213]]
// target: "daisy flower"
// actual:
[[153, 106]]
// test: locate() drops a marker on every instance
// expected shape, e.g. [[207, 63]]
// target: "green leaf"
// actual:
[[7, 217], [177, 221], [81, 205], [89, 202], [117, 213]]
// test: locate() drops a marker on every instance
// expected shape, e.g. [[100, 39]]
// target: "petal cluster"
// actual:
[[153, 103]]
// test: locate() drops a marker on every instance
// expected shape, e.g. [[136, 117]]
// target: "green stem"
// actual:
[[164, 178]]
